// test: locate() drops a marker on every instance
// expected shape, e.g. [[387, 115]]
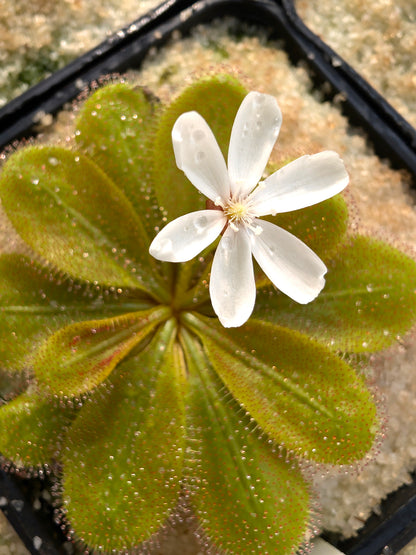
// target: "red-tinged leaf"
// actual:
[[35, 302], [80, 356], [123, 458]]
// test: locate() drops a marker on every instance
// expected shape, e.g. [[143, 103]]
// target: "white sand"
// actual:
[[377, 38]]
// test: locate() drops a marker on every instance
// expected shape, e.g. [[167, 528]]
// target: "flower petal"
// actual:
[[232, 286], [255, 130], [185, 237], [198, 155], [304, 182], [290, 264]]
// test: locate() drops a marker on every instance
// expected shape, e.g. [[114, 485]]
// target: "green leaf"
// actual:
[[80, 356], [300, 393], [71, 214], [249, 497], [122, 463], [35, 302], [115, 128], [32, 428], [368, 300], [217, 99]]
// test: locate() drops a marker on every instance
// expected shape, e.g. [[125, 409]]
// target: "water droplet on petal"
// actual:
[[200, 224], [199, 156], [198, 135]]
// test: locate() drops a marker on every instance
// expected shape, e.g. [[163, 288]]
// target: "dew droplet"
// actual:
[[200, 224], [17, 504], [53, 161], [199, 156], [35, 181], [198, 135], [37, 542]]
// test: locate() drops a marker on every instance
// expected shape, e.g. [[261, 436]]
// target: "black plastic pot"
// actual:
[[391, 135], [31, 515]]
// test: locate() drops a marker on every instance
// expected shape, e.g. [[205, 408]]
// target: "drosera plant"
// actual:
[[134, 393]]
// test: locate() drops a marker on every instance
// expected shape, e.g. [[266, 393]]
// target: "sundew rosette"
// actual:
[[241, 200], [126, 382]]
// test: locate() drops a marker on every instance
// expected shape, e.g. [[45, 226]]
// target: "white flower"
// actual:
[[240, 200]]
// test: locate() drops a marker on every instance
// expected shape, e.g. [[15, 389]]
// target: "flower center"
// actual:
[[239, 213]]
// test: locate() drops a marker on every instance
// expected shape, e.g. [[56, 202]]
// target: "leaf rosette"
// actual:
[[169, 404]]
